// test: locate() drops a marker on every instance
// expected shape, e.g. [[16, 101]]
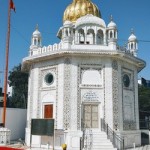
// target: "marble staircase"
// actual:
[[97, 140]]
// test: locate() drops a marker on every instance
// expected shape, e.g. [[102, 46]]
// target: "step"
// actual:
[[98, 139], [97, 135], [102, 143], [95, 132], [101, 140], [102, 146]]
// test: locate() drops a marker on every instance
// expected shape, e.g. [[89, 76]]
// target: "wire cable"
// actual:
[[21, 35]]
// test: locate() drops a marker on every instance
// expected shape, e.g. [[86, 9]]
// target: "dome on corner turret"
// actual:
[[112, 25], [36, 33], [79, 8], [132, 37]]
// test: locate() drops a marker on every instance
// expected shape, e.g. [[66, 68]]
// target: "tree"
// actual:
[[144, 101], [19, 81]]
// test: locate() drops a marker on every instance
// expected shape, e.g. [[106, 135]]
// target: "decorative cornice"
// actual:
[[103, 53]]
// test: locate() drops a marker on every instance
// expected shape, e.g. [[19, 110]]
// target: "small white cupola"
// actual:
[[133, 43], [36, 38], [112, 33], [36, 41], [90, 30], [67, 30], [66, 34]]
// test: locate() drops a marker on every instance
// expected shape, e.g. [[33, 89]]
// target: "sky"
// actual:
[[48, 14]]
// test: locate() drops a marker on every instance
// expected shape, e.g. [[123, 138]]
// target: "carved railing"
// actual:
[[4, 136], [82, 139], [116, 140], [50, 48], [86, 140], [124, 49]]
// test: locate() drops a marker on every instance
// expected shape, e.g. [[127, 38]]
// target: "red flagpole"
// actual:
[[6, 66]]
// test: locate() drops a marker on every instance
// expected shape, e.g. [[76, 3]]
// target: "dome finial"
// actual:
[[132, 31], [37, 27], [111, 18]]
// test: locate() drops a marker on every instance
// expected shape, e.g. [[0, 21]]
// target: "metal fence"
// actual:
[[145, 124], [117, 141]]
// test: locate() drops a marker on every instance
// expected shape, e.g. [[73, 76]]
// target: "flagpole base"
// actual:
[[4, 136]]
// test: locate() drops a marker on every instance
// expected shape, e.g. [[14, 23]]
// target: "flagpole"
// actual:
[[6, 65]]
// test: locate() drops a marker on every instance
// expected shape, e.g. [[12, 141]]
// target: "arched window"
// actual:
[[81, 36], [111, 34], [34, 42], [131, 45], [73, 31], [115, 34], [100, 37], [66, 31], [38, 41], [90, 37]]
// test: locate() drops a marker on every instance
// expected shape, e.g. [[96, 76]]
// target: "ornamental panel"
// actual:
[[48, 81], [129, 121], [48, 77], [91, 76], [67, 90], [115, 95]]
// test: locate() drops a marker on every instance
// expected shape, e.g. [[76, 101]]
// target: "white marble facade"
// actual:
[[87, 69]]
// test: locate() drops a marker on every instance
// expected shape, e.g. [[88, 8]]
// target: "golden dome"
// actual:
[[79, 8]]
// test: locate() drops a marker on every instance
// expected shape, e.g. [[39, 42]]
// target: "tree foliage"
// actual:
[[19, 81], [144, 101]]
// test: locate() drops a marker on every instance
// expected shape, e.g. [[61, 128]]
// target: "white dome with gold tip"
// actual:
[[132, 37], [36, 33], [112, 24]]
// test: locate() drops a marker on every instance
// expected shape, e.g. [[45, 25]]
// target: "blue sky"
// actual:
[[48, 15]]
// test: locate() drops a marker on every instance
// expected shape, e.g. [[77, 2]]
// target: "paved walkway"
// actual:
[[24, 147]]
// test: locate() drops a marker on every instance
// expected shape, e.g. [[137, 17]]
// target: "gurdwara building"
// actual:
[[87, 83]]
